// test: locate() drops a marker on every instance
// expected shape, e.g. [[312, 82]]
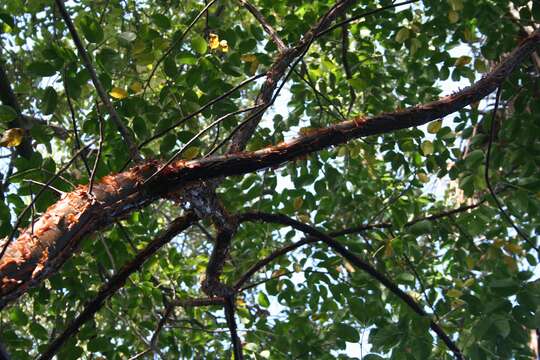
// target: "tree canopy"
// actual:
[[269, 179]]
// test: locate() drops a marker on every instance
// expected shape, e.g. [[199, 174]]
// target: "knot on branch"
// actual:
[[215, 288]]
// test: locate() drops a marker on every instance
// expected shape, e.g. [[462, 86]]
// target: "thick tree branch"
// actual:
[[122, 128], [358, 262], [34, 256], [116, 282]]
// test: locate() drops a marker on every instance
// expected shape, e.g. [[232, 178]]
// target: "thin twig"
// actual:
[[122, 128], [175, 44], [360, 16], [100, 148], [74, 124], [200, 110], [266, 25]]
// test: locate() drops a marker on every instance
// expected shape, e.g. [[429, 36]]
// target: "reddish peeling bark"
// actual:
[[33, 256]]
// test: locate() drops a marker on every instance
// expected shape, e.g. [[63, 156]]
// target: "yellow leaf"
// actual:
[[248, 57], [254, 66], [463, 60], [118, 93], [191, 153], [298, 201], [350, 268], [136, 87], [469, 282], [213, 41], [422, 177], [453, 17], [388, 250], [434, 126], [402, 35], [427, 147], [454, 293], [224, 46], [12, 137]]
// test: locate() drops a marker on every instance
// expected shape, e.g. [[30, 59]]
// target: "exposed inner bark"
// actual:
[[35, 255]]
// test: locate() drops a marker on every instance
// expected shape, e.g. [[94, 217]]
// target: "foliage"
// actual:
[[470, 270]]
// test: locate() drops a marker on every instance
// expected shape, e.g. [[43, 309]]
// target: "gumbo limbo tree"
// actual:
[[158, 204]]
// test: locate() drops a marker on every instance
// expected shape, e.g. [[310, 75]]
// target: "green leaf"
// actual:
[[198, 43], [262, 299], [347, 333], [49, 101], [41, 68], [91, 29], [7, 113], [421, 227]]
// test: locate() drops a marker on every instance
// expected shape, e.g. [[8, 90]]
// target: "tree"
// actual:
[[157, 204]]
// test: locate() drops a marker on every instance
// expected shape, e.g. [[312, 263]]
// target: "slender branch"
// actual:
[[360, 16], [346, 66], [358, 262], [4, 355], [183, 303], [124, 131], [175, 44], [200, 110], [266, 25], [74, 124], [100, 148], [488, 182], [116, 282], [231, 323]]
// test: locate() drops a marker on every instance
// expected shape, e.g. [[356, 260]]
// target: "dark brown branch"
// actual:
[[352, 230], [183, 303], [4, 355], [358, 262], [116, 282], [266, 25], [360, 16], [231, 324], [488, 181], [76, 215], [122, 128]]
